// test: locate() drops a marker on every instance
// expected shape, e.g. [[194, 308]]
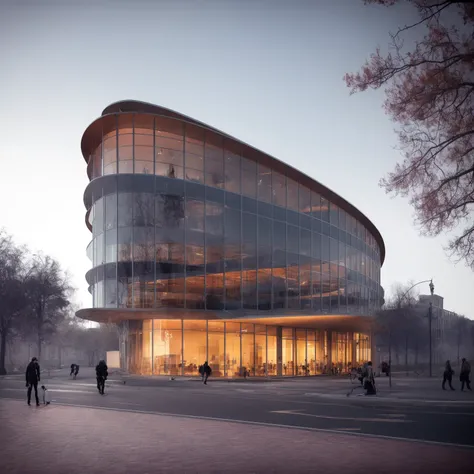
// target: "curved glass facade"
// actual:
[[181, 217], [176, 347]]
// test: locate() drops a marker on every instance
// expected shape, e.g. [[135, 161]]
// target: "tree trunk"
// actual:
[[3, 351], [416, 353], [39, 348]]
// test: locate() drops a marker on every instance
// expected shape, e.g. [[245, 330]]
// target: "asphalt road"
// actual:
[[316, 404]]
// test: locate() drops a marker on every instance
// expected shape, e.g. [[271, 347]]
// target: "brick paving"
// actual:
[[62, 439]]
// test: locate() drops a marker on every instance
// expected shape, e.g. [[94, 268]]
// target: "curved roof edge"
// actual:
[[137, 106]]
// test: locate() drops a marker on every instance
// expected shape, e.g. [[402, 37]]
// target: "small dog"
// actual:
[[46, 395]]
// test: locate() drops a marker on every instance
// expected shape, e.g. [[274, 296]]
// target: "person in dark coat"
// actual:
[[464, 375], [448, 375], [101, 373], [74, 370], [206, 371], [32, 378]]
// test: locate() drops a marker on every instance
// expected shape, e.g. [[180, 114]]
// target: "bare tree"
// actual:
[[430, 95], [48, 291], [12, 300]]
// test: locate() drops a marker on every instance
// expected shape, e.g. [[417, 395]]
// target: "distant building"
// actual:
[[450, 331]]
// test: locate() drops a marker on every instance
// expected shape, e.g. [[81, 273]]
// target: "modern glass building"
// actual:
[[204, 248]]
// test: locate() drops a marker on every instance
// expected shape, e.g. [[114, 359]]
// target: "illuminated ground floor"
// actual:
[[178, 347]]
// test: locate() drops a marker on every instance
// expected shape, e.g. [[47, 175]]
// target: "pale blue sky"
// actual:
[[267, 72]]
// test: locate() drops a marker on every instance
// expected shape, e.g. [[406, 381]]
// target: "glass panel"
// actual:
[[216, 355], [264, 263], [111, 246], [143, 267], [264, 184], [110, 155], [144, 125], [98, 226], [167, 347], [249, 178], [232, 172], [324, 209], [194, 148], [233, 349], [249, 260], [334, 215], [279, 189], [248, 353], [279, 265], [311, 352], [195, 346], [143, 210], [214, 161], [96, 158], [316, 285], [110, 211], [304, 200], [301, 359], [111, 290], [232, 259], [168, 128], [169, 163], [125, 143], [125, 209], [316, 205], [272, 351], [292, 190]]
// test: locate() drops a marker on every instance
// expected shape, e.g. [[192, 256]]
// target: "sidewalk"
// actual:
[[422, 389], [60, 439]]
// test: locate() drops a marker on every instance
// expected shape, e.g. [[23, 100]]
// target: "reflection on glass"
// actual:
[[215, 350], [249, 178], [248, 349], [272, 351], [232, 357], [195, 346], [167, 347], [301, 357]]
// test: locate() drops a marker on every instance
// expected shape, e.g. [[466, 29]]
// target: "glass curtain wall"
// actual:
[[189, 203], [175, 347]]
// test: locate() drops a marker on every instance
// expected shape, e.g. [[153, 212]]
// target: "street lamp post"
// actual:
[[430, 316]]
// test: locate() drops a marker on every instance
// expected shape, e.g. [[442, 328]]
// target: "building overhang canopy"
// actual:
[[341, 322]]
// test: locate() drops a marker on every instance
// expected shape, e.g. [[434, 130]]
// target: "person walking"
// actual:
[[369, 380], [76, 371], [448, 375], [33, 376], [464, 375], [207, 371], [101, 373]]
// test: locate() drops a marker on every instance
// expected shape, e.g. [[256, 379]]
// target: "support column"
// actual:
[[354, 350], [373, 349], [329, 349], [123, 330], [279, 351]]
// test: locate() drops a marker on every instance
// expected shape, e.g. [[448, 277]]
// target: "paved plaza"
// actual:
[[299, 425], [58, 439]]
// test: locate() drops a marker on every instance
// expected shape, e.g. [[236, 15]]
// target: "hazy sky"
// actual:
[[266, 72]]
